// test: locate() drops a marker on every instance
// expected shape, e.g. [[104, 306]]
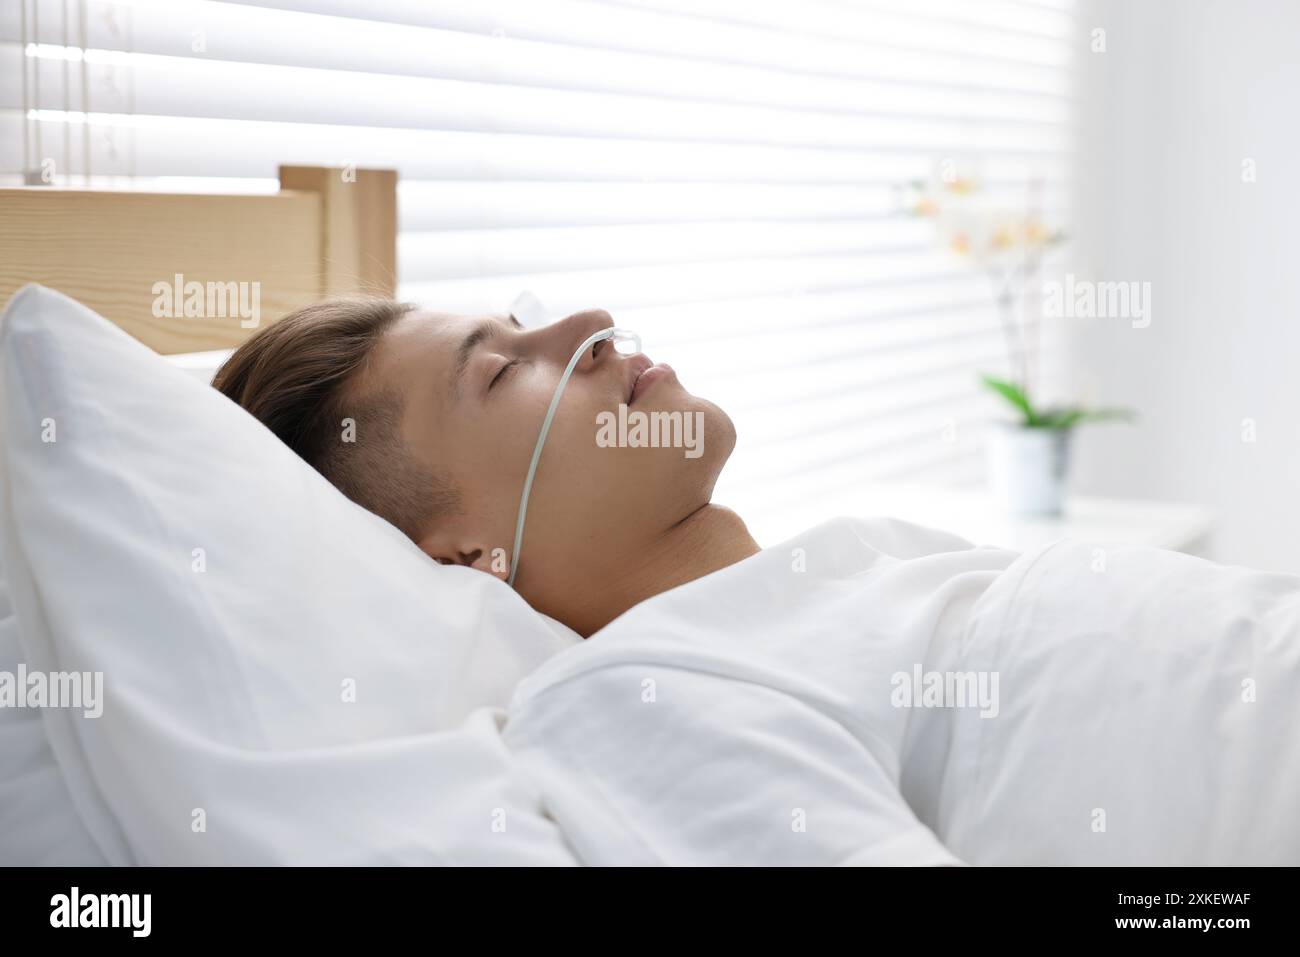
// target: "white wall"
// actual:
[[1183, 94]]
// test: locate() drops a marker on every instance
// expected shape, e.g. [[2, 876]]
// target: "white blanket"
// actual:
[[746, 717], [790, 710], [1150, 714]]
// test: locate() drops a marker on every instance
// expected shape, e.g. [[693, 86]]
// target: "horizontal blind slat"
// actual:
[[183, 146], [996, 29], [433, 256], [428, 205], [170, 86]]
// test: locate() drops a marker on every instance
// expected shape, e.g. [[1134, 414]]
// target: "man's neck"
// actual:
[[706, 540]]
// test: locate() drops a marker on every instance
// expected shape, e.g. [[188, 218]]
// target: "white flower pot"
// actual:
[[1027, 468]]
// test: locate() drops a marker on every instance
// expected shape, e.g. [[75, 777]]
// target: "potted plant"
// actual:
[[1028, 458]]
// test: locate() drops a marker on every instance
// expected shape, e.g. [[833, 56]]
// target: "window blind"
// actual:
[[721, 175]]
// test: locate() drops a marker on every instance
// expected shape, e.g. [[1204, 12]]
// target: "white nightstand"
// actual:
[[972, 515]]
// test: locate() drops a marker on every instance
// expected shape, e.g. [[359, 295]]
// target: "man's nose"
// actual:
[[588, 321], [571, 331]]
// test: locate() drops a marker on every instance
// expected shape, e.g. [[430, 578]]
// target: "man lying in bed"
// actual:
[[843, 697]]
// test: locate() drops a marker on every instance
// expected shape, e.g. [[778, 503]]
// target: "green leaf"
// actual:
[[1060, 418], [1068, 418], [1106, 415], [1013, 394]]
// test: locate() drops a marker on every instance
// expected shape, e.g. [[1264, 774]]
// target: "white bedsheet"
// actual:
[[750, 717]]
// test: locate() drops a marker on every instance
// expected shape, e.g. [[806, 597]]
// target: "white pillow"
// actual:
[[234, 600], [38, 823]]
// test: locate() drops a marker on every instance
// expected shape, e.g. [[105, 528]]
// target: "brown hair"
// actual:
[[298, 377]]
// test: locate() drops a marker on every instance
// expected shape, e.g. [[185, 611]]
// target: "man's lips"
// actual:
[[645, 374]]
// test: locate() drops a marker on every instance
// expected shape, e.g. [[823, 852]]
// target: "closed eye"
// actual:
[[501, 373]]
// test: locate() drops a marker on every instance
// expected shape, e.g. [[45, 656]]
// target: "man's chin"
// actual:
[[717, 431]]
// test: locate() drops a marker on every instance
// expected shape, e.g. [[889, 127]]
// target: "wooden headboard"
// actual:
[[126, 254]]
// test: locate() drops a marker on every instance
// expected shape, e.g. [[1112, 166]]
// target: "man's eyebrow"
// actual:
[[482, 332]]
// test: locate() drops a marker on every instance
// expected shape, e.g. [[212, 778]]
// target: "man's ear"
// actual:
[[448, 546]]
